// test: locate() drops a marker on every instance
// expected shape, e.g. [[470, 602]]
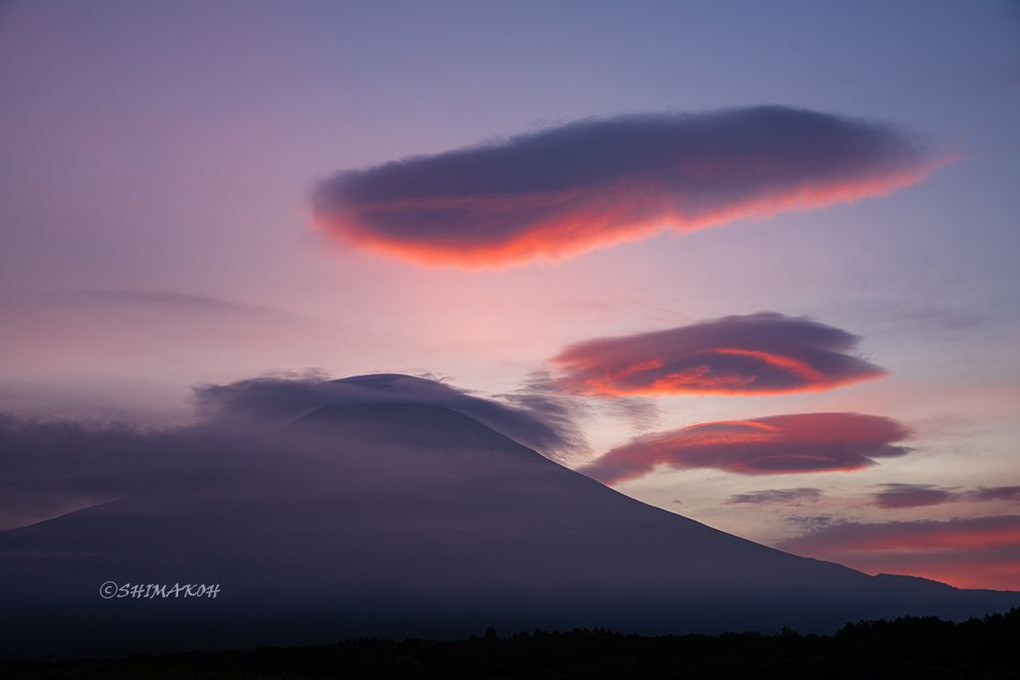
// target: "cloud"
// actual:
[[764, 353], [795, 497], [795, 443], [50, 467], [897, 496], [971, 552], [642, 414], [599, 182], [534, 421], [995, 493], [120, 300]]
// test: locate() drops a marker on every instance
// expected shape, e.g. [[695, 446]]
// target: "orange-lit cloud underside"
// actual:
[[595, 184], [578, 223], [796, 443], [759, 354]]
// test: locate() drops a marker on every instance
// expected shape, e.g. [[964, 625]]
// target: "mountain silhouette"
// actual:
[[397, 520], [418, 425]]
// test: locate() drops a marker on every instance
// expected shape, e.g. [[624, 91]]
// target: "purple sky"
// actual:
[[159, 232]]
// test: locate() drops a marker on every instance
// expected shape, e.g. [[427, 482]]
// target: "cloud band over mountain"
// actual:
[[538, 423], [800, 442], [594, 183], [51, 467], [764, 353]]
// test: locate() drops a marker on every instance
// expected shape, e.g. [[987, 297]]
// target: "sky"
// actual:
[[759, 260]]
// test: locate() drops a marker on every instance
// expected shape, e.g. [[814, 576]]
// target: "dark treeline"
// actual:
[[908, 647]]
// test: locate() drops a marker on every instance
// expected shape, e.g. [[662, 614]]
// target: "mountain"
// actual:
[[411, 520]]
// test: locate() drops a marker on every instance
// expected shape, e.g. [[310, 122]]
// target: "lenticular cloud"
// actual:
[[599, 182], [794, 443], [765, 353]]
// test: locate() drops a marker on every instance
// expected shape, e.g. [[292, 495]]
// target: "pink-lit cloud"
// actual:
[[599, 182], [972, 552], [765, 353], [795, 443]]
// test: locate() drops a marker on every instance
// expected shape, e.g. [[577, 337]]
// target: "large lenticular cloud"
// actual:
[[801, 442], [764, 353], [598, 182]]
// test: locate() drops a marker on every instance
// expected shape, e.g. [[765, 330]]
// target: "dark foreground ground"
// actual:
[[905, 648]]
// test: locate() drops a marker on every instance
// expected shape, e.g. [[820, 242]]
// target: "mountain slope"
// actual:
[[412, 520]]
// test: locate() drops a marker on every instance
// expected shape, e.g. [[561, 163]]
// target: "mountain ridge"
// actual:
[[341, 535]]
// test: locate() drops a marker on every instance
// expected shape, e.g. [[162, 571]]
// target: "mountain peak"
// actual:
[[407, 424]]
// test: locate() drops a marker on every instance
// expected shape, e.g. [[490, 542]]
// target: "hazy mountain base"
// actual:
[[907, 647], [407, 521]]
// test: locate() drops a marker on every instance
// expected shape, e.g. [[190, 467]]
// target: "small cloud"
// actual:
[[794, 497], [764, 353], [595, 183], [159, 299], [787, 444], [896, 496], [810, 522], [995, 493], [642, 414]]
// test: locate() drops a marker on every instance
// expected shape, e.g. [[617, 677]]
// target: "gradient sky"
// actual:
[[156, 233]]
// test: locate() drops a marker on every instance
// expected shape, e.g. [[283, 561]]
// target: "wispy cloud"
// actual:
[[1010, 494], [599, 182], [896, 496], [793, 497], [765, 353], [901, 496], [532, 420], [795, 443]]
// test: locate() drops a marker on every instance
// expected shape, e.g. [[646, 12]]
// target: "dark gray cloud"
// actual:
[[598, 182], [897, 496], [543, 424], [794, 497], [995, 493], [539, 396], [764, 353], [900, 496], [810, 522]]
